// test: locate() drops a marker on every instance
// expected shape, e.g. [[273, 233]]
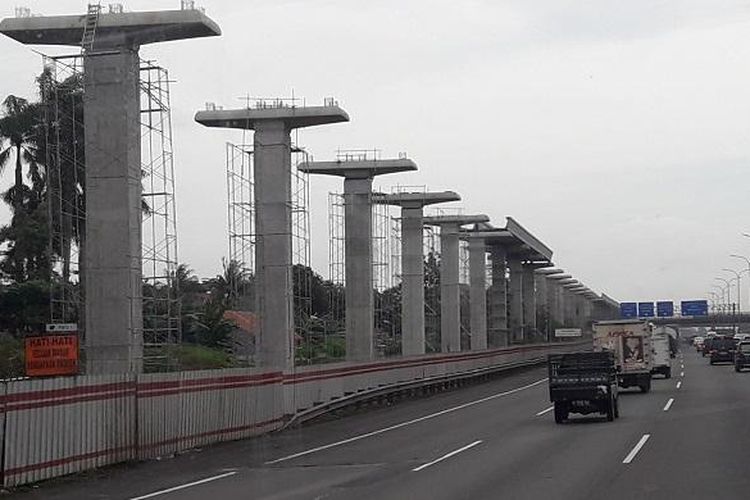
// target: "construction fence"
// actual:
[[58, 426]]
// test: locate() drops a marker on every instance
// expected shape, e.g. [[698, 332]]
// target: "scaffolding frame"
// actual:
[[62, 93], [161, 304], [241, 220]]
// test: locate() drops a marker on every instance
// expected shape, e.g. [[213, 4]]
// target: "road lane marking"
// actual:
[[669, 404], [404, 424], [636, 449], [682, 374], [447, 455], [546, 410], [679, 384], [186, 485]]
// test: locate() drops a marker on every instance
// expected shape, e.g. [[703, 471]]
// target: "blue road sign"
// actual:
[[645, 309], [628, 309], [665, 309], [694, 307]]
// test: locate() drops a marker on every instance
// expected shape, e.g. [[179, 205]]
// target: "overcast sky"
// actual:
[[617, 132]]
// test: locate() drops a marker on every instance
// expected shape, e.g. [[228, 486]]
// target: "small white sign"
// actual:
[[62, 327], [567, 332]]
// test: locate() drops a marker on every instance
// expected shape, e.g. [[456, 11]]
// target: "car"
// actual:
[[739, 337], [721, 348], [698, 343], [742, 356]]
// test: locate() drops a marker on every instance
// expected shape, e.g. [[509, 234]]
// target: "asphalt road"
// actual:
[[488, 441]]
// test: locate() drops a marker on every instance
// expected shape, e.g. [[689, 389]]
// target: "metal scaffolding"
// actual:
[[161, 308], [241, 221], [61, 89], [386, 280], [431, 259]]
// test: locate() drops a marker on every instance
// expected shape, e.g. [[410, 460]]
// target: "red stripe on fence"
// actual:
[[67, 401], [62, 461], [228, 430], [69, 392]]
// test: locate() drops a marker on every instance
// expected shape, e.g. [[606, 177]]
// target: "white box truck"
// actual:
[[630, 340], [660, 348]]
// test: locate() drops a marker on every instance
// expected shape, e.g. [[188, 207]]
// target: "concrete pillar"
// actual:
[[542, 304], [113, 284], [358, 172], [516, 299], [412, 282], [112, 252], [529, 303], [358, 268], [478, 293], [498, 299], [450, 305]]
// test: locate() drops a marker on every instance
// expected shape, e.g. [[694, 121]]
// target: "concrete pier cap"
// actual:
[[419, 199], [560, 277], [292, 116], [126, 29], [358, 169]]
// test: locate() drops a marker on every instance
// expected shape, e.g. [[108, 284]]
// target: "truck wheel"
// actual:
[[561, 413], [617, 407], [668, 373], [737, 368], [711, 361], [645, 386]]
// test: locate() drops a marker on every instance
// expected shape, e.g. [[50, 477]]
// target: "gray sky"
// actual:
[[616, 131]]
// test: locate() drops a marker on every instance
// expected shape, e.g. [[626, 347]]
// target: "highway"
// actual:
[[689, 438]]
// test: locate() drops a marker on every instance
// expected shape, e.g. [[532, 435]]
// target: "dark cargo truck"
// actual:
[[583, 382]]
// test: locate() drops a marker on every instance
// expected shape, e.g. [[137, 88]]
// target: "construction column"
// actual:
[[478, 293], [358, 173], [112, 258], [273, 122]]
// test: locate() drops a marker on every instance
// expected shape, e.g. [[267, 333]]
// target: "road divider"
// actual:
[[447, 455], [636, 449]]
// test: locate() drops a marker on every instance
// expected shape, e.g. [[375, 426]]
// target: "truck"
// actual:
[[583, 382], [660, 349], [630, 341]]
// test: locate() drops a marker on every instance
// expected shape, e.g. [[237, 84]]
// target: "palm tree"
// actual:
[[19, 128]]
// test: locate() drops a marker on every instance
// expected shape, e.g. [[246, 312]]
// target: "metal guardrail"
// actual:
[[385, 390]]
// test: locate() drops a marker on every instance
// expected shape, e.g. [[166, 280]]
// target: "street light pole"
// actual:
[[728, 290], [739, 287], [747, 261]]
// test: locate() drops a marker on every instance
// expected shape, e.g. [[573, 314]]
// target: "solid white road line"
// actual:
[[682, 374], [404, 424], [186, 485], [636, 449], [447, 455], [679, 384], [669, 404], [546, 410]]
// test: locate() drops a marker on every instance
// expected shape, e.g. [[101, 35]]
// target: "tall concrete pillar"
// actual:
[[273, 124], [450, 292], [478, 293], [529, 324], [516, 298], [113, 283], [412, 263], [542, 304], [498, 331], [358, 174]]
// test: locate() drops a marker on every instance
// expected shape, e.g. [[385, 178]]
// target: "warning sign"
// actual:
[[52, 354]]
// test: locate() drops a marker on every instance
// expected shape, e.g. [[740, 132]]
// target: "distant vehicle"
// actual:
[[721, 349], [630, 340], [583, 382], [742, 356], [660, 347], [698, 343], [739, 337]]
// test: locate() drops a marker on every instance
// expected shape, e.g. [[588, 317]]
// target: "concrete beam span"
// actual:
[[412, 262], [113, 281], [273, 216], [358, 176], [450, 293]]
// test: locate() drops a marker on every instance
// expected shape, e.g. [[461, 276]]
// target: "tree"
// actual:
[[19, 127]]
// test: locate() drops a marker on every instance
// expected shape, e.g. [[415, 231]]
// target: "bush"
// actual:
[[197, 357]]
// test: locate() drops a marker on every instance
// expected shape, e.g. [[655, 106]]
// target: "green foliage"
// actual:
[[11, 357], [197, 357], [24, 307]]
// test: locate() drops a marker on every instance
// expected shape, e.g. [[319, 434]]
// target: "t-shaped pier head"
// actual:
[[273, 122], [450, 293], [412, 266], [358, 175], [112, 113]]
